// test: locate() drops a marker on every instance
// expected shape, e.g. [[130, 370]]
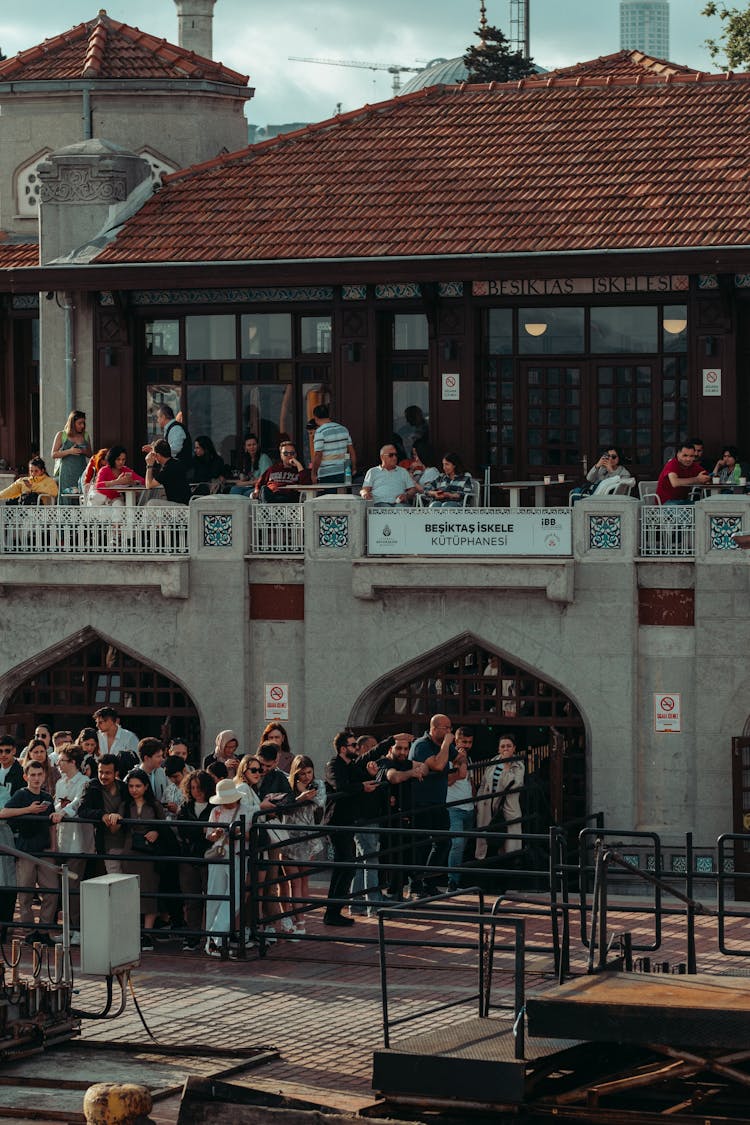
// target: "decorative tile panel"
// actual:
[[728, 866], [407, 289], [26, 301], [217, 530], [605, 533], [722, 530], [354, 292], [333, 531], [231, 296], [451, 288], [678, 864], [708, 281], [742, 280], [650, 863], [633, 860], [107, 298], [704, 864]]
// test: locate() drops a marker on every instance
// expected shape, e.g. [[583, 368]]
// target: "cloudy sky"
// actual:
[[257, 36]]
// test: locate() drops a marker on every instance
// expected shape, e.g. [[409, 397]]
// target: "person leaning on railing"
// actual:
[[36, 488], [499, 804], [680, 475]]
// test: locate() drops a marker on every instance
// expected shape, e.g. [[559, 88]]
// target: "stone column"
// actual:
[[195, 26], [82, 185]]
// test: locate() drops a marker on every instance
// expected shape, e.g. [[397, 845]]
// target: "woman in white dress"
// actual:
[[72, 837], [230, 802]]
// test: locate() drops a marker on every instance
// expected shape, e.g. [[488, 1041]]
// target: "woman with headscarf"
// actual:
[[225, 751]]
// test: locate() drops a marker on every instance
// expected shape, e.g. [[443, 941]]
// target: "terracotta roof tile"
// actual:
[[532, 166], [14, 255], [628, 64], [105, 48]]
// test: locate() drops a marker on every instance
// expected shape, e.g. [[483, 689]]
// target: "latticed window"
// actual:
[[99, 675], [475, 686], [492, 696]]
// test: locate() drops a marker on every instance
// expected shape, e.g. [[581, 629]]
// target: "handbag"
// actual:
[[216, 851], [139, 843], [277, 835]]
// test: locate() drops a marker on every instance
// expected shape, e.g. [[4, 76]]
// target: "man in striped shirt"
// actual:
[[331, 444]]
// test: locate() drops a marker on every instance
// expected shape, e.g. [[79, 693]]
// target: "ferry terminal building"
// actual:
[[573, 250]]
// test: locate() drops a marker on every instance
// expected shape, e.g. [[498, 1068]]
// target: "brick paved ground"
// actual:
[[319, 1002]]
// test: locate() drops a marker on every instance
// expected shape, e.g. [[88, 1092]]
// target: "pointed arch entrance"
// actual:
[[94, 672], [480, 688]]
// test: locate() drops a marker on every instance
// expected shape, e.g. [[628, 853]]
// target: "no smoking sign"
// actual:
[[451, 387], [711, 382], [667, 713], [276, 702]]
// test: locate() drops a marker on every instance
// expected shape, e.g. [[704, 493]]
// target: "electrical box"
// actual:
[[110, 924]]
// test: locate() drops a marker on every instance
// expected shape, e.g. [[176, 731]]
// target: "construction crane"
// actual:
[[392, 68]]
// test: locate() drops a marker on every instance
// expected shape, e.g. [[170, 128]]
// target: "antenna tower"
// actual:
[[520, 36]]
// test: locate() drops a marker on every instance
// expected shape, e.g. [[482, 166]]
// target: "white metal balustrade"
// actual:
[[277, 529], [667, 531], [63, 530]]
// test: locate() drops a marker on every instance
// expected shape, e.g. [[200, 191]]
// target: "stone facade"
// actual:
[[369, 624]]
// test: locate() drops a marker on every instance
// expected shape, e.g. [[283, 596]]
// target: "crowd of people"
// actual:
[[113, 803], [686, 476], [408, 471]]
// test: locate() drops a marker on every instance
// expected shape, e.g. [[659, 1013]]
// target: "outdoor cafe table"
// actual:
[[314, 488], [131, 492], [514, 488], [723, 486]]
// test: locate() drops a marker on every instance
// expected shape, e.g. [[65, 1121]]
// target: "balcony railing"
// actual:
[[277, 529], [63, 530], [667, 531]]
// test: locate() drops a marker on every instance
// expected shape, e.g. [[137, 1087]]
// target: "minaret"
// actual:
[[195, 26]]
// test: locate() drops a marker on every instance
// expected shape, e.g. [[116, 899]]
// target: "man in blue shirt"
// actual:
[[436, 749]]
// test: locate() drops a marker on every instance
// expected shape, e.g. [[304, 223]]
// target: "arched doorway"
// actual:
[[97, 673], [480, 688]]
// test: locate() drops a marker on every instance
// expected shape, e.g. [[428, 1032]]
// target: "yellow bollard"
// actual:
[[116, 1103]]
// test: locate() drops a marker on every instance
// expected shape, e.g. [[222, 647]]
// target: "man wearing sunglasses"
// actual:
[[276, 486]]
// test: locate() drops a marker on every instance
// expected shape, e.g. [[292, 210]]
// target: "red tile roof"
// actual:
[[104, 48], [621, 64], [16, 254], [549, 164]]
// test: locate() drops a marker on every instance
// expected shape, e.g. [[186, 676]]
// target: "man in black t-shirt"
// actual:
[[32, 834], [401, 776], [11, 780], [162, 469]]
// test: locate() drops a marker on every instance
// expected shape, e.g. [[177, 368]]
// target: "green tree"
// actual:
[[734, 41], [493, 60]]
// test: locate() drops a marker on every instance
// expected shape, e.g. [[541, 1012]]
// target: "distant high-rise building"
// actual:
[[644, 26]]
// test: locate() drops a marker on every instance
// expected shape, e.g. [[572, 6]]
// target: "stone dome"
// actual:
[[447, 72]]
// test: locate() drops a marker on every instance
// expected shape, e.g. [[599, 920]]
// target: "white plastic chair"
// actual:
[[647, 492]]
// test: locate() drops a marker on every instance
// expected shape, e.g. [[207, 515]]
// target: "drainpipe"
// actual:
[[67, 309]]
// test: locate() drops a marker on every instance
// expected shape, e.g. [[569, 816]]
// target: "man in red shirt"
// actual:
[[277, 483], [679, 475]]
